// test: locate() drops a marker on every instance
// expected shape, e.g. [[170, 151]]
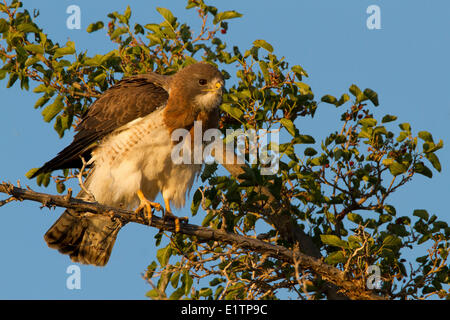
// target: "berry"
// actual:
[[360, 116], [351, 163], [327, 165], [223, 31]]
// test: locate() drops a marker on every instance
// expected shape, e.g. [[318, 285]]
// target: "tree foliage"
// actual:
[[330, 198]]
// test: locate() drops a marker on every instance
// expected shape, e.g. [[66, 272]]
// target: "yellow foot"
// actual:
[[170, 216], [147, 205]]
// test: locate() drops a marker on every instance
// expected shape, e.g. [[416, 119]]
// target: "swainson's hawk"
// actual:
[[126, 136]]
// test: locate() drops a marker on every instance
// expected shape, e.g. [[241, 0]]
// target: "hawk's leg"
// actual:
[[168, 215], [147, 206]]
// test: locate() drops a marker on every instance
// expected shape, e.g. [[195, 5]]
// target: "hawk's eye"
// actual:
[[202, 82]]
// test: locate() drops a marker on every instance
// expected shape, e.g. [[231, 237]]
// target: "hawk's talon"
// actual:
[[177, 220], [147, 206]]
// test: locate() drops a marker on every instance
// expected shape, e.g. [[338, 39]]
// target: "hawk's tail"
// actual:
[[86, 237]]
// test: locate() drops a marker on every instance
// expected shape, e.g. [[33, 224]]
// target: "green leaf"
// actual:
[[402, 136], [52, 110], [372, 96], [303, 139], [174, 279], [151, 269], [434, 160], [304, 89], [43, 179], [188, 281], [163, 255], [118, 32], [63, 123], [405, 126], [69, 49], [234, 112], [310, 152], [333, 240], [127, 12], [12, 79], [225, 16], [95, 26], [397, 168], [387, 162], [263, 44], [329, 99], [177, 294], [205, 292], [343, 99], [153, 27], [196, 201], [153, 294], [390, 209], [335, 258], [425, 136], [368, 122], [354, 242], [388, 118], [35, 48], [167, 15], [366, 132], [424, 238], [392, 241], [218, 292], [421, 213], [40, 88], [419, 167], [27, 27], [431, 147], [289, 125], [264, 70], [31, 172], [4, 26], [31, 60], [60, 187], [299, 71], [99, 78], [354, 217], [354, 90], [41, 101], [387, 253]]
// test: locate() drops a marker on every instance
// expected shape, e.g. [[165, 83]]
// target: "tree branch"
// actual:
[[203, 234]]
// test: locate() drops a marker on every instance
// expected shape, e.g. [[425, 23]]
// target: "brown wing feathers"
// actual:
[[127, 100]]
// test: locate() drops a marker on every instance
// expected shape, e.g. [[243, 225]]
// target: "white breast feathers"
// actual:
[[138, 157]]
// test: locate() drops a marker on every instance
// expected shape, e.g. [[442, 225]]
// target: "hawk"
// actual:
[[125, 137]]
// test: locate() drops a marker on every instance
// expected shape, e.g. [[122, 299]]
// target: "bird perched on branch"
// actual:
[[125, 137]]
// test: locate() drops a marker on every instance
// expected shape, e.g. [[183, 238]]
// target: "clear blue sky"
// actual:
[[406, 62]]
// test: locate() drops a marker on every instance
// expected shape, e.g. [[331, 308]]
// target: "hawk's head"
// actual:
[[200, 83]]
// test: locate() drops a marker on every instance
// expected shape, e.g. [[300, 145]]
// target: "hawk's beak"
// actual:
[[216, 87]]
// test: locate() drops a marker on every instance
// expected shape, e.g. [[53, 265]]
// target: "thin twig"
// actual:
[[81, 183]]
